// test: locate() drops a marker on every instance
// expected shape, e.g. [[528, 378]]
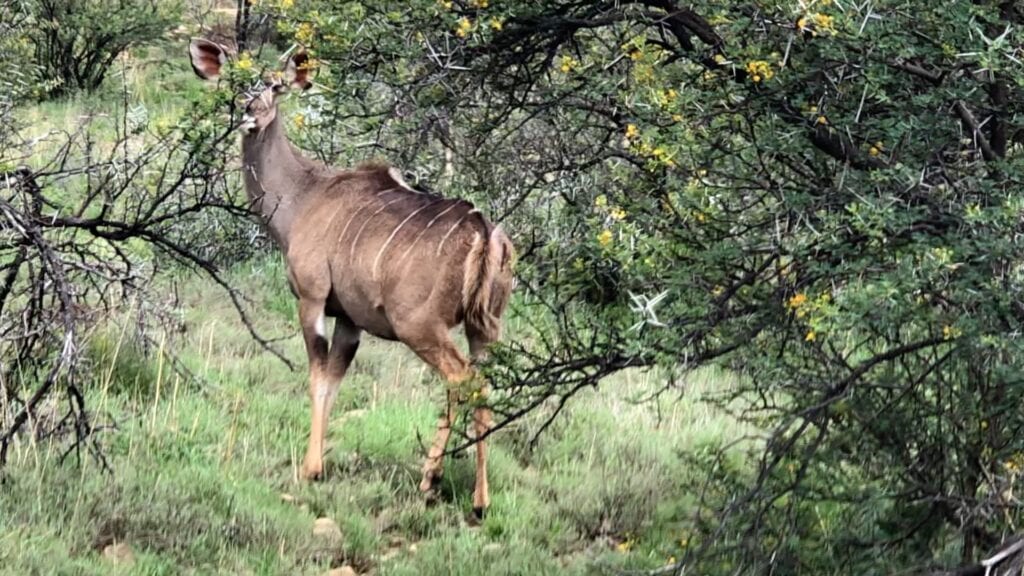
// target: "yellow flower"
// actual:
[[719, 59], [816, 23], [822, 120], [824, 23], [796, 301], [810, 336], [624, 546], [671, 559], [478, 3], [677, 117], [950, 332], [601, 201], [760, 70], [568, 64], [632, 131], [244, 62], [617, 213], [496, 24], [463, 28], [1014, 464], [299, 120], [446, 4], [286, 4], [605, 237], [304, 33], [874, 151]]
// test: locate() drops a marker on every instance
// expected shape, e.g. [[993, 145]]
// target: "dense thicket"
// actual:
[[822, 196], [66, 46]]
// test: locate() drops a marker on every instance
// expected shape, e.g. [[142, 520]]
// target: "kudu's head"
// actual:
[[260, 102]]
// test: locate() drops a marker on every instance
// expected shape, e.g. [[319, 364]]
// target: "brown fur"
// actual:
[[378, 257]]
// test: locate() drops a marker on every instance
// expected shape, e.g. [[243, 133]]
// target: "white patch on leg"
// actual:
[[322, 389], [321, 325]]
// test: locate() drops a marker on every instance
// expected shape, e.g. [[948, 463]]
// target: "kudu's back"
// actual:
[[398, 259]]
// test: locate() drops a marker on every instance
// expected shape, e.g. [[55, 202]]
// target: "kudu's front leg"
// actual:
[[326, 369]]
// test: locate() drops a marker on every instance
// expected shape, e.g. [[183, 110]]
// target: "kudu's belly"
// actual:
[[372, 319]]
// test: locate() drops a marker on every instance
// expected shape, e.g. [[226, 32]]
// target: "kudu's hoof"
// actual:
[[479, 512], [312, 473], [431, 498]]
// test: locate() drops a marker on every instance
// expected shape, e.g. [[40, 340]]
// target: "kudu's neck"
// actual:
[[277, 178]]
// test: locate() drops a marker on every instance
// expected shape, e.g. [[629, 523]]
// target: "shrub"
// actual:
[[76, 41]]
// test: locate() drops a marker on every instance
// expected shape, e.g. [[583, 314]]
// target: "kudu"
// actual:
[[365, 248]]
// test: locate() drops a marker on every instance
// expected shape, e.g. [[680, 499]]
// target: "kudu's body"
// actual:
[[365, 248]]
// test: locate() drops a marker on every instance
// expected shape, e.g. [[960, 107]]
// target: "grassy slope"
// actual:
[[205, 474]]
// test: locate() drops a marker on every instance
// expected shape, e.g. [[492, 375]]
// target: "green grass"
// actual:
[[205, 474]]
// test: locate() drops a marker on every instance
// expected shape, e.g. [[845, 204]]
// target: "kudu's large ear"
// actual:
[[297, 71], [207, 58]]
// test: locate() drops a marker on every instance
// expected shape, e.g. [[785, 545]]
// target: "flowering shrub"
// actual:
[[823, 198]]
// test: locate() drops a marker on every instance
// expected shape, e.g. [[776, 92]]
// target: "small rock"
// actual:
[[412, 548], [326, 528], [119, 553], [343, 571], [287, 498]]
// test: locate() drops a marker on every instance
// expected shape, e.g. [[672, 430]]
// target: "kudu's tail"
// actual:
[[488, 284]]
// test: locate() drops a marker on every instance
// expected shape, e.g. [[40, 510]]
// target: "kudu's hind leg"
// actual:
[[483, 420], [433, 465], [439, 351], [326, 369]]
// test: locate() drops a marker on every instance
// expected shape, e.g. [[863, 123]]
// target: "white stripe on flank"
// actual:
[[352, 252], [356, 213], [427, 227], [452, 229], [376, 261], [333, 216]]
